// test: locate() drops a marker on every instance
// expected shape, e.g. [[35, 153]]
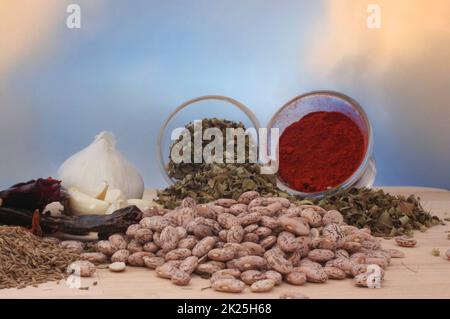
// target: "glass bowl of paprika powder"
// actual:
[[325, 145]]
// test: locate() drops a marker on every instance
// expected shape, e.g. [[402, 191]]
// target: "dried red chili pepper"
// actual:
[[34, 194]]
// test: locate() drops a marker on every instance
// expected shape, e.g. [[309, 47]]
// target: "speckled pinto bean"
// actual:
[[342, 263], [325, 243], [274, 208], [95, 258], [215, 276], [157, 239], [253, 248], [228, 285], [239, 250], [293, 211], [223, 235], [73, 245], [334, 273], [269, 222], [180, 278], [332, 232], [295, 258], [332, 217], [182, 232], [250, 218], [287, 242], [225, 202], [188, 202], [143, 235], [294, 225], [263, 232], [160, 253], [153, 262], [252, 276], [118, 241], [145, 222], [361, 280], [105, 247], [227, 220], [183, 215], [206, 211], [178, 254], [321, 255], [247, 197], [204, 246], [189, 264], [359, 269], [166, 270], [150, 247], [120, 256], [277, 262], [405, 241], [350, 246], [309, 263], [156, 223], [314, 218], [251, 262], [221, 254], [189, 242], [235, 234], [169, 238], [275, 276], [313, 274], [264, 285], [251, 228], [268, 242], [136, 259], [208, 268], [228, 272], [341, 253], [358, 258], [238, 209], [258, 202], [251, 237], [318, 209], [296, 278]]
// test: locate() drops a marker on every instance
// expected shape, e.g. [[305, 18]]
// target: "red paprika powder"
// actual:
[[321, 150]]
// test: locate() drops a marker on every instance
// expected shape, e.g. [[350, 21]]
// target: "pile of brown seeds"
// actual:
[[26, 259], [256, 241]]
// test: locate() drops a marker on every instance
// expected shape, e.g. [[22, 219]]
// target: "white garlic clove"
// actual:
[[102, 194], [82, 204], [113, 195]]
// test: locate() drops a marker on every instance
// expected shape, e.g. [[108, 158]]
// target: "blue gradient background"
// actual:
[[132, 63]]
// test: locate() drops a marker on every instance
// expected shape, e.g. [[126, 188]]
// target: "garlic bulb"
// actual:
[[100, 163]]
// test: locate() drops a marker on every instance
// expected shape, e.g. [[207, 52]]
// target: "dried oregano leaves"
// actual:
[[386, 215], [208, 182], [26, 259]]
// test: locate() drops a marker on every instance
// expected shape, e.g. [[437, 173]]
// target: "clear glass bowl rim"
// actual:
[[369, 150], [159, 151]]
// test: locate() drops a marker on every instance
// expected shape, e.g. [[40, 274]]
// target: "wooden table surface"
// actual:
[[419, 275]]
